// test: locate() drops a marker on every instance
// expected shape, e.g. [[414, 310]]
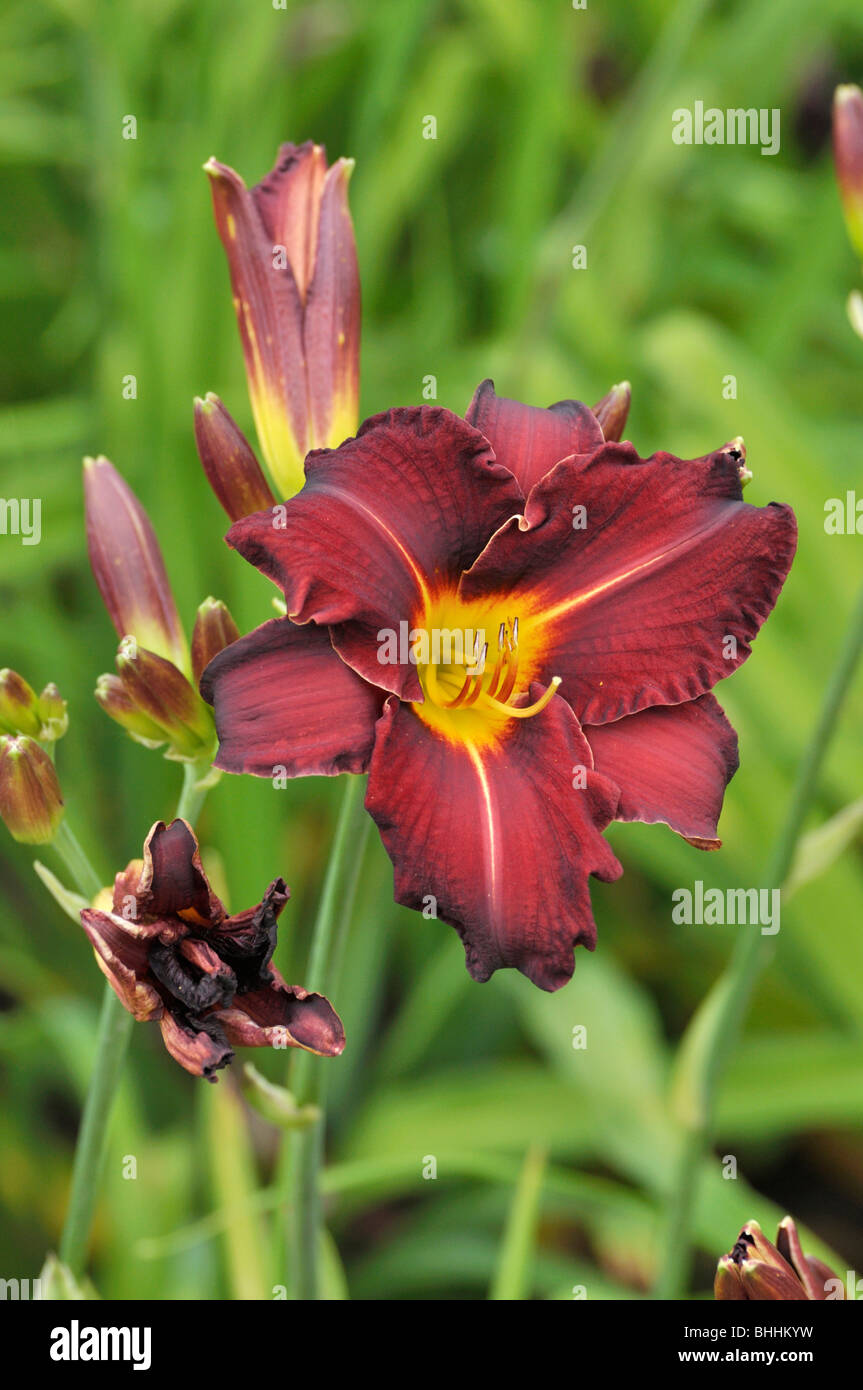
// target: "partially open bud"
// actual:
[[31, 803], [760, 1271], [19, 705], [112, 695], [613, 409], [293, 264], [128, 566], [728, 1284], [52, 714], [215, 629], [229, 462], [848, 157], [159, 691]]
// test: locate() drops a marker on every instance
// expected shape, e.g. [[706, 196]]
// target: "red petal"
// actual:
[[672, 763], [270, 317], [332, 318], [284, 1015], [637, 608], [173, 882], [284, 699], [122, 958], [288, 201], [529, 441], [393, 514], [201, 1049], [496, 839]]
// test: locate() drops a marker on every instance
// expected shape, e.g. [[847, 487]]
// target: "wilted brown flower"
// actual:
[[172, 954]]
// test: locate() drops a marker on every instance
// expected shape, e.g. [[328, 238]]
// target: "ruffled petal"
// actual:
[[672, 764], [658, 591], [381, 524], [529, 441], [282, 1015], [283, 698], [498, 840]]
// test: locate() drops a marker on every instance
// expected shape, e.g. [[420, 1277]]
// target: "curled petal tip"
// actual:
[[612, 411], [848, 158]]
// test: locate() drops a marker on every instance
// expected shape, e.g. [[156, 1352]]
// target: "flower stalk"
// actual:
[[305, 1148], [717, 1023], [112, 1042]]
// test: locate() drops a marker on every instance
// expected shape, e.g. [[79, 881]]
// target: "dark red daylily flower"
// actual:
[[490, 793], [172, 953]]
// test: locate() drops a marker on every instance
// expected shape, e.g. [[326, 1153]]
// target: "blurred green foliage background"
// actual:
[[553, 129]]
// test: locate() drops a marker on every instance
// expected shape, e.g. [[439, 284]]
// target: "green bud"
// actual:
[[111, 695], [52, 714], [19, 705], [31, 803], [163, 694]]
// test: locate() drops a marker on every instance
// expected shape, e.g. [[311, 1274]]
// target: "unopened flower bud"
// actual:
[[760, 1271], [163, 694], [112, 696], [31, 803], [128, 566], [293, 264], [52, 714], [19, 712], [848, 157], [613, 409], [215, 629], [229, 462]]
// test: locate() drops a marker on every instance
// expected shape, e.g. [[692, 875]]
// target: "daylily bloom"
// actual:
[[152, 696], [294, 274], [598, 597], [762, 1272], [172, 953]]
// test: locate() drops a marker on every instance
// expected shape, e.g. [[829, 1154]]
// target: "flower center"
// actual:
[[475, 666]]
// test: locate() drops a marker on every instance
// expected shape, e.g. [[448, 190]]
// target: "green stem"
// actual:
[[115, 1029], [194, 791], [68, 847], [721, 1016], [305, 1152]]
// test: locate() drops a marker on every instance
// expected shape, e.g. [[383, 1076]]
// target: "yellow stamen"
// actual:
[[487, 701]]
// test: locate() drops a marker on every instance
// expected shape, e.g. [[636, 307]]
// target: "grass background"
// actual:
[[553, 129]]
